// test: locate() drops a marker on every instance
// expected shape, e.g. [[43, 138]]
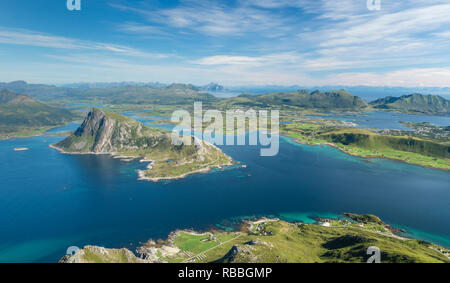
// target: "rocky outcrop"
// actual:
[[105, 132], [93, 254]]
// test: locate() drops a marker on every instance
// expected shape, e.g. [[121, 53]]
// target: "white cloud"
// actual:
[[214, 18], [137, 28], [249, 61], [228, 60], [399, 26]]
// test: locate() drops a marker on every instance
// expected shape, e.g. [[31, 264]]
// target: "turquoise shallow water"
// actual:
[[50, 201]]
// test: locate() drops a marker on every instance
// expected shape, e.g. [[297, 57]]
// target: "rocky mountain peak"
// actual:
[[107, 132]]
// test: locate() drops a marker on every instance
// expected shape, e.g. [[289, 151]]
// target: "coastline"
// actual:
[[141, 173], [38, 134], [296, 140], [218, 243], [142, 177]]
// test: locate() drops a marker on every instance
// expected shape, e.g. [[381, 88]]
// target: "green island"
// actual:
[[343, 240], [104, 132]]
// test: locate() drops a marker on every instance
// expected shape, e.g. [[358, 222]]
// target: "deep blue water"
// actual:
[[50, 201], [387, 120]]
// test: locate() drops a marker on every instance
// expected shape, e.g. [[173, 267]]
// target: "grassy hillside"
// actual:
[[414, 103], [430, 153], [335, 100], [277, 241], [21, 113], [369, 140]]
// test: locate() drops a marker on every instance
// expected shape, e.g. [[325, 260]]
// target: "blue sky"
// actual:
[[247, 42]]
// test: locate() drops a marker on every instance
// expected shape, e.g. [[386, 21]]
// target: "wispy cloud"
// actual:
[[141, 29], [249, 61], [37, 39], [213, 18]]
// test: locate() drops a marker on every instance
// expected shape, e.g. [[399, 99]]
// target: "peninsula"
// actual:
[[425, 150], [104, 132]]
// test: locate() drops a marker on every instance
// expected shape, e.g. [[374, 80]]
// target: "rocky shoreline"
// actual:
[[141, 173]]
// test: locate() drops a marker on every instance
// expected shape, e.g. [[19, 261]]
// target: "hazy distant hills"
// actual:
[[213, 87], [166, 95], [333, 100], [414, 103], [18, 110], [120, 94], [181, 94], [39, 91], [110, 85]]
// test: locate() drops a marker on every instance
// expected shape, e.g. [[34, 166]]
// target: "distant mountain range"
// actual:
[[414, 103], [181, 94], [111, 85], [212, 87], [124, 94], [18, 110], [333, 100]]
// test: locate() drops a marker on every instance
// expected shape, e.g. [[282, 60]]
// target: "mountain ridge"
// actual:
[[331, 100], [414, 103], [19, 111]]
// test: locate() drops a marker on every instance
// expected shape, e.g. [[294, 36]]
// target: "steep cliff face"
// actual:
[[106, 132]]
